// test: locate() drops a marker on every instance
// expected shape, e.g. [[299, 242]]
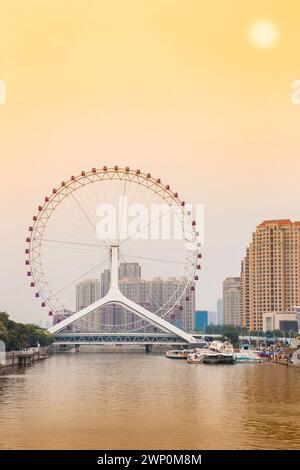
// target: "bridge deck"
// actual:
[[117, 338]]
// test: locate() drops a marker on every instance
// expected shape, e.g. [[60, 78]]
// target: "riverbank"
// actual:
[[24, 357]]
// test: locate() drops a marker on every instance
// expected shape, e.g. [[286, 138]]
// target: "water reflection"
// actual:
[[123, 400]]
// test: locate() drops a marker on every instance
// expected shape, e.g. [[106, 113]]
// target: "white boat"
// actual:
[[296, 358], [217, 353], [247, 356]]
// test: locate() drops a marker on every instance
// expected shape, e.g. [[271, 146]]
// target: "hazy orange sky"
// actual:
[[173, 87]]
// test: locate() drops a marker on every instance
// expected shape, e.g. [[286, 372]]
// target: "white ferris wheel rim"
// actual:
[[34, 241]]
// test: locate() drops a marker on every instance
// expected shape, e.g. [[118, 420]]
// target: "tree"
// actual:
[[19, 335], [232, 334]]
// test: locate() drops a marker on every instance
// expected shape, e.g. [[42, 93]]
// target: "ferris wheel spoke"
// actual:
[[163, 260], [86, 216], [144, 227], [80, 277], [121, 211], [66, 242]]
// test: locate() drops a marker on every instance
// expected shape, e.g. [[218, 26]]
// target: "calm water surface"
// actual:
[[137, 401]]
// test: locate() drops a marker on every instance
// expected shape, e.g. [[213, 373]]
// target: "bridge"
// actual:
[[74, 339]]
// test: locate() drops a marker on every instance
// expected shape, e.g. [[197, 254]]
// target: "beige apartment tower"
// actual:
[[232, 301], [271, 271]]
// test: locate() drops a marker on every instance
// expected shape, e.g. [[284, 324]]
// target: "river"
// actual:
[[144, 401]]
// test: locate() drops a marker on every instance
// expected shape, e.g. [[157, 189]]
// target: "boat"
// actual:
[[296, 358], [178, 353], [247, 356], [216, 353]]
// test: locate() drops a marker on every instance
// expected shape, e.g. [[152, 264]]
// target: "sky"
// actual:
[[197, 93]]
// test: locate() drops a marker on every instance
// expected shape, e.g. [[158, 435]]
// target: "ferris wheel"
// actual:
[[73, 230]]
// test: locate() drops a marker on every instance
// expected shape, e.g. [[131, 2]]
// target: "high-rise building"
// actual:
[[232, 301], [220, 319], [201, 321], [129, 271], [105, 282], [87, 292], [271, 271], [212, 317]]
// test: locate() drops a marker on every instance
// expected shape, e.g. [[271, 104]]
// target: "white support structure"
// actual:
[[115, 296]]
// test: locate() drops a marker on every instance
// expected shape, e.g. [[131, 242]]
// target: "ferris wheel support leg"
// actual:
[[115, 296]]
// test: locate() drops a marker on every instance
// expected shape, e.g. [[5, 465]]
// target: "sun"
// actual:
[[263, 34]]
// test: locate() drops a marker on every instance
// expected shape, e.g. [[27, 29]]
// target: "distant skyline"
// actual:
[[176, 90]]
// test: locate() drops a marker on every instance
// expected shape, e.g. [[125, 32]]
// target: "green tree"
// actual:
[[19, 336], [232, 334]]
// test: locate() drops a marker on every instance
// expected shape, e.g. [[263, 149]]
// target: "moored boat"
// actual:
[[247, 356], [217, 353], [178, 353]]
